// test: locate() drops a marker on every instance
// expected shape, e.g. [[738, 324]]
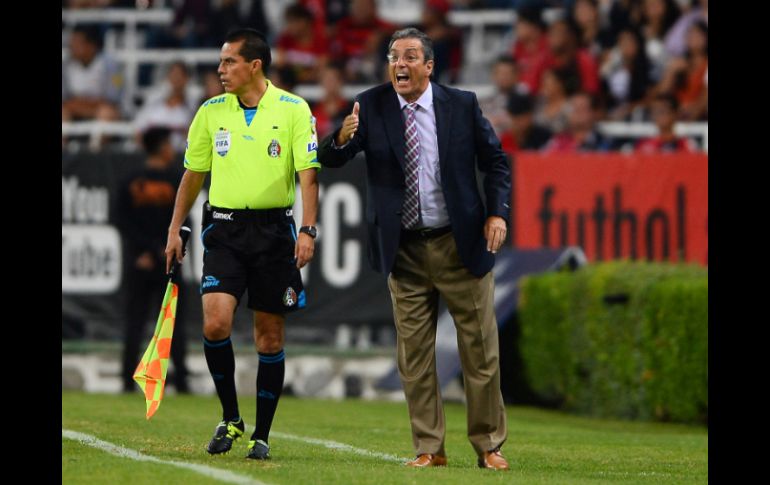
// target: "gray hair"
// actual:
[[412, 33]]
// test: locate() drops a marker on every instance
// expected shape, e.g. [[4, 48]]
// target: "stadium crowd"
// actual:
[[595, 60]]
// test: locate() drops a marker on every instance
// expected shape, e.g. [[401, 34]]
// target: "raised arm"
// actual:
[[336, 149]]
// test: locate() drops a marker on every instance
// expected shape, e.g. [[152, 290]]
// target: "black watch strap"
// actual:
[[309, 230]]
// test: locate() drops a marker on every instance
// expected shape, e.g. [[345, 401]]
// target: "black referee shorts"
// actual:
[[254, 250]]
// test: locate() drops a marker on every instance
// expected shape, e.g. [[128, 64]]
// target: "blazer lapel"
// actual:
[[394, 125], [443, 109]]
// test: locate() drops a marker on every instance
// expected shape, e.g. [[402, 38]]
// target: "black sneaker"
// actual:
[[258, 450], [224, 435]]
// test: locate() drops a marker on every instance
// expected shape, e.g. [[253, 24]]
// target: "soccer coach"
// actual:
[[429, 229]]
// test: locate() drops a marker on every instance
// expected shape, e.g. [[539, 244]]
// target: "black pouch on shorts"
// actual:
[[206, 215]]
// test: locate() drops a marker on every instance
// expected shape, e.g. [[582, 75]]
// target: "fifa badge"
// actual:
[[222, 142]]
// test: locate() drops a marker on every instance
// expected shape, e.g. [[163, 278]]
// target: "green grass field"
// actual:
[[543, 446]]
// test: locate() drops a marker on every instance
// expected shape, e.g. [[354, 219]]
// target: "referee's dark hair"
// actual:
[[254, 45], [154, 138]]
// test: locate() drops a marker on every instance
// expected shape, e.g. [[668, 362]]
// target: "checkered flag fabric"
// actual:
[[150, 374]]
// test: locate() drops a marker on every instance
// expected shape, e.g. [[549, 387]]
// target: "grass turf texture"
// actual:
[[543, 446]]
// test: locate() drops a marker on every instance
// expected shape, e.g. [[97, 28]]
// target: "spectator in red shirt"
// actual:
[[687, 76], [531, 46], [319, 9], [361, 42], [523, 134], [565, 53], [581, 134], [333, 107], [664, 108], [300, 47]]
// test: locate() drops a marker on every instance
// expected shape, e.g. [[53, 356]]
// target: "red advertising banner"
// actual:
[[614, 206]]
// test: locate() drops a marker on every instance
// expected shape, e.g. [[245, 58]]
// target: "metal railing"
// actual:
[[620, 129], [126, 129], [130, 19]]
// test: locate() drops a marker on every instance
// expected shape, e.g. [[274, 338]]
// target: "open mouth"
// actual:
[[402, 79]]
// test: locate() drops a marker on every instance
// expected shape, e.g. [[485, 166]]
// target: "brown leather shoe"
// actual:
[[427, 459], [493, 460]]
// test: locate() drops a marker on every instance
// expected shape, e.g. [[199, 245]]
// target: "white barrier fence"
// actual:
[[126, 130]]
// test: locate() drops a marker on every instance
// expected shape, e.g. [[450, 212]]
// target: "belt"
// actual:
[[262, 216], [426, 233]]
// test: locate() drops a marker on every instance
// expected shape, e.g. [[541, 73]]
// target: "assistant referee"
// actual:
[[253, 139]]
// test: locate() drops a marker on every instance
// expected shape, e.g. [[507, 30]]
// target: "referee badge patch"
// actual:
[[222, 142], [274, 149], [289, 297]]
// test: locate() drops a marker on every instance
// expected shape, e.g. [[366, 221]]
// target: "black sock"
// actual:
[[221, 362], [269, 387]]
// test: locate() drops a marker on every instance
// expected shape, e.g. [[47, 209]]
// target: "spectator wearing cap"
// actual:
[[581, 134], [523, 133]]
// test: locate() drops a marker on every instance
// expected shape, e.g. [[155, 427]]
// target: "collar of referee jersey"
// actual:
[[270, 98]]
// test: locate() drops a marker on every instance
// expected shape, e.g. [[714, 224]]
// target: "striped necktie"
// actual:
[[411, 209]]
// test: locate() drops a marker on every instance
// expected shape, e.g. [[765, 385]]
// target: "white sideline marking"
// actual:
[[215, 473], [336, 445]]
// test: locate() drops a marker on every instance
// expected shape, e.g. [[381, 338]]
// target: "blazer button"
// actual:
[[398, 213]]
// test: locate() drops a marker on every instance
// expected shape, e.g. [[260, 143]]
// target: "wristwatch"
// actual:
[[309, 230]]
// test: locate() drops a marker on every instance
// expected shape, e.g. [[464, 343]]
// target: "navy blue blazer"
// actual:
[[465, 140]]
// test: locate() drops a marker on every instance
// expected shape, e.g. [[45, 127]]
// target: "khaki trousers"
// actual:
[[425, 269]]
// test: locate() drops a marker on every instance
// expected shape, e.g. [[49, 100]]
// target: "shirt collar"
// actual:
[[271, 93], [425, 101]]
